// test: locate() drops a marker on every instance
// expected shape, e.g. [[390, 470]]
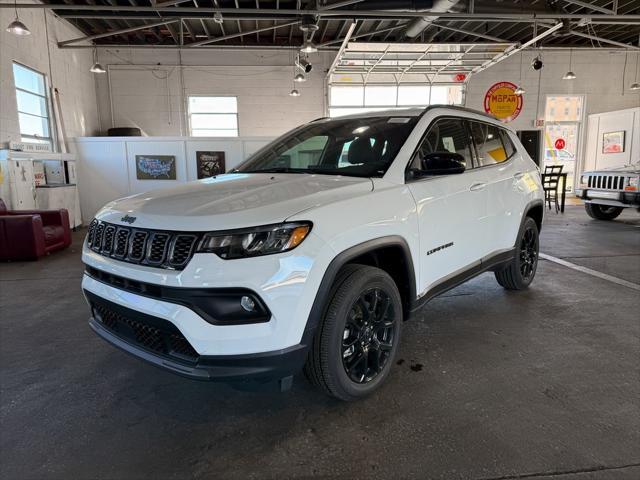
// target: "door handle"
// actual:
[[519, 175], [477, 187]]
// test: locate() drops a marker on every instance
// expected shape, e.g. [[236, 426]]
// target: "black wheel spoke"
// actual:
[[368, 335]]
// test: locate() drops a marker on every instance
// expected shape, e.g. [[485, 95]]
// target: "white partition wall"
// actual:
[[107, 165], [601, 124], [138, 150], [232, 148]]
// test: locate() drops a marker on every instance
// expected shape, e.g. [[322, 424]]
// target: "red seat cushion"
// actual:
[[53, 234]]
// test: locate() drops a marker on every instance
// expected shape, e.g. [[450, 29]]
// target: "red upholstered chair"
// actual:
[[30, 234]]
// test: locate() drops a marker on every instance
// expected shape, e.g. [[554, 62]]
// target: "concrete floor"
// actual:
[[492, 385]]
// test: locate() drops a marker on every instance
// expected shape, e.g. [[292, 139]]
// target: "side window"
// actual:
[[489, 146], [445, 135], [509, 147]]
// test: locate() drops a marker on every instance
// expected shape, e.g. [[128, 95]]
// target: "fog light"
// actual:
[[248, 303]]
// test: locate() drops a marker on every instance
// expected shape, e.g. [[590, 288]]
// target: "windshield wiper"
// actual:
[[277, 170]]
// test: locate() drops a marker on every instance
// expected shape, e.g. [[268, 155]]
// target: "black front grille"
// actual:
[[158, 248], [146, 247], [122, 241], [606, 182], [150, 333]]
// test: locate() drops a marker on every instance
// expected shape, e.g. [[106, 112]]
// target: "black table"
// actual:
[[563, 193]]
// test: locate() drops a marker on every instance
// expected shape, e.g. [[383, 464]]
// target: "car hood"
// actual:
[[633, 169], [232, 201]]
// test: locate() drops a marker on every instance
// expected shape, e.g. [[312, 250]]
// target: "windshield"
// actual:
[[363, 147]]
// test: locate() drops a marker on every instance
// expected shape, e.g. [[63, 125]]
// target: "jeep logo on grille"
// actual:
[[128, 219]]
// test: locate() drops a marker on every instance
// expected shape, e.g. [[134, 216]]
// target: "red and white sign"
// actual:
[[560, 144], [502, 102]]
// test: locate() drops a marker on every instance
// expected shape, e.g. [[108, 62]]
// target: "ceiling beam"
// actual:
[[117, 32], [343, 3], [514, 50], [240, 34], [469, 32], [395, 27], [603, 40], [343, 47], [266, 13], [589, 5]]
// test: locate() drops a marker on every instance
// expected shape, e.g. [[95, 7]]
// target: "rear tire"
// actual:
[[519, 273], [602, 212], [357, 340]]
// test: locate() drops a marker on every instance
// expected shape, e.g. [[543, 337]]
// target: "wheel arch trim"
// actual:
[[343, 258]]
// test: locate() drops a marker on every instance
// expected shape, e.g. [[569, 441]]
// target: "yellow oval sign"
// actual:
[[502, 102]]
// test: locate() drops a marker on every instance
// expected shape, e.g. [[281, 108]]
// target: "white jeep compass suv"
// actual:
[[312, 253]]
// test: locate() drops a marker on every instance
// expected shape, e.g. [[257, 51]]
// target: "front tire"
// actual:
[[357, 339], [602, 212], [519, 273]]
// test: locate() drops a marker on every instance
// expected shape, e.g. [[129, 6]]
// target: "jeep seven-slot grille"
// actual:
[[146, 247], [159, 336], [606, 182]]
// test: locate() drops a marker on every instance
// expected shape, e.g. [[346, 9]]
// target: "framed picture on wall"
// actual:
[[155, 167], [613, 142], [210, 164]]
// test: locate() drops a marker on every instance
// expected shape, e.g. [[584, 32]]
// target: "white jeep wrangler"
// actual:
[[312, 253], [607, 192]]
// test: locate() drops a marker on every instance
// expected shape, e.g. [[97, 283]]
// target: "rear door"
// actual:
[[496, 158], [451, 208]]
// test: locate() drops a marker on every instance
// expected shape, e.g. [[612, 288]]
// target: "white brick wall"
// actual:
[[141, 96], [69, 72], [262, 80]]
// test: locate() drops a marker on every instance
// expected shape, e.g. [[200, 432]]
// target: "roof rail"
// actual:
[[462, 109]]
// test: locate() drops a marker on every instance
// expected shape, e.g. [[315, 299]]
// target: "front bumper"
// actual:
[[610, 198], [285, 283], [160, 343]]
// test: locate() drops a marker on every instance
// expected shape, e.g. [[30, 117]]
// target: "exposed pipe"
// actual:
[[417, 26]]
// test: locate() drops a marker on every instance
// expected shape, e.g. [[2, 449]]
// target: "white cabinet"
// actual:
[[18, 182]]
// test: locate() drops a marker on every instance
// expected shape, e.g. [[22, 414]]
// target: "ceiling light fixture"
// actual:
[[537, 63], [519, 90], [294, 93], [304, 65], [97, 67], [569, 75], [308, 47], [17, 27], [300, 78]]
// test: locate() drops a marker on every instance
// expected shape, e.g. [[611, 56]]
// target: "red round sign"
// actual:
[[560, 144]]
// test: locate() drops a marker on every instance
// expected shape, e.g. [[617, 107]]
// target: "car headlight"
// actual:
[[252, 242], [584, 180]]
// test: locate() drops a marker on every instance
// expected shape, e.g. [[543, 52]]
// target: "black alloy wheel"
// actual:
[[529, 253], [520, 271], [368, 335], [357, 340]]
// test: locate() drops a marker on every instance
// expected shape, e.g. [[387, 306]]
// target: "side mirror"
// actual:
[[442, 163]]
